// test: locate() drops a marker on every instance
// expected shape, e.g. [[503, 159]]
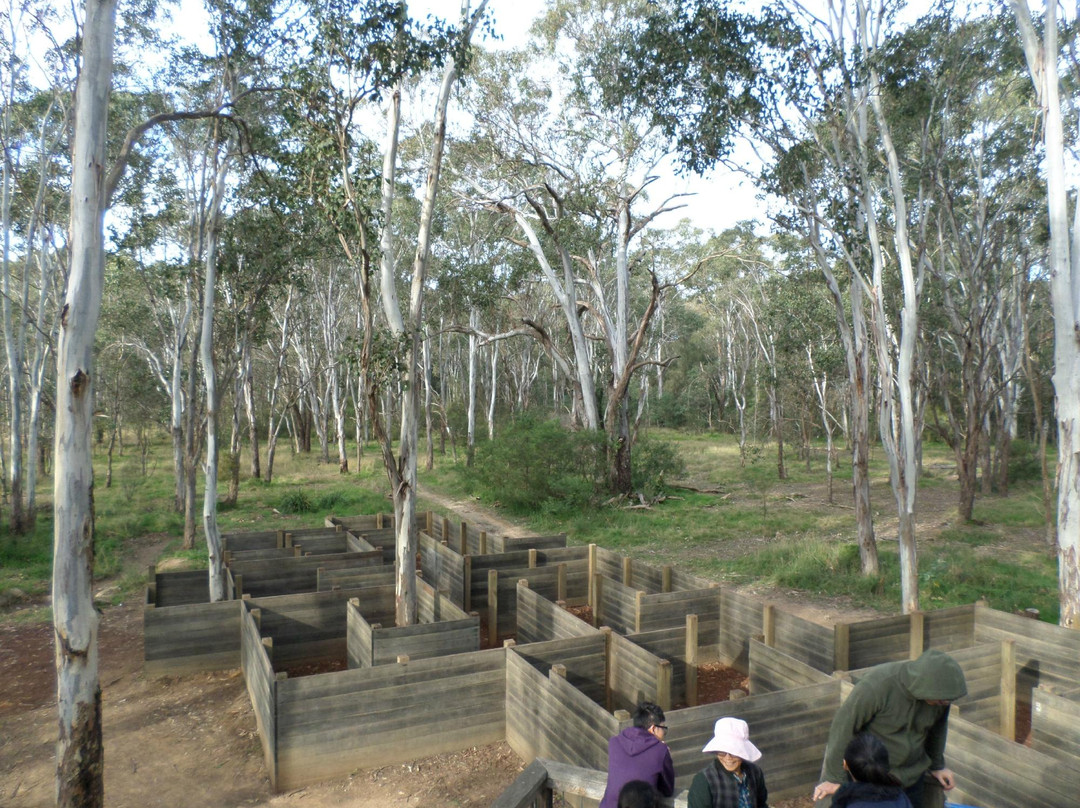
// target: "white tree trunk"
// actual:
[[1042, 59], [403, 472], [470, 409], [492, 393], [216, 568], [79, 751]]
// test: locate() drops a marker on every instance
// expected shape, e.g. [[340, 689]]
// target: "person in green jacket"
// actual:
[[906, 705]]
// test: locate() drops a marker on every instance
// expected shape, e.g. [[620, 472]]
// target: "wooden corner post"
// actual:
[[918, 634], [493, 608], [691, 659], [592, 578], [1008, 689], [842, 647]]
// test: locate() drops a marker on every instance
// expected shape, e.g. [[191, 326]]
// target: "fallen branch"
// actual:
[[695, 489]]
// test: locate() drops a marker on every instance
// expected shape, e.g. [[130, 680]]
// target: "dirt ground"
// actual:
[[192, 740]]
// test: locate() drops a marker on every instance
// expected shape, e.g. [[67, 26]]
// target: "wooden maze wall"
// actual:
[[559, 687]]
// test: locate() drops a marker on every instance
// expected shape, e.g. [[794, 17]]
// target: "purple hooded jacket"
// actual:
[[637, 754]]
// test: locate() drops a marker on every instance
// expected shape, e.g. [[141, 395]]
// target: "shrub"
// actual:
[[296, 501], [536, 463], [1024, 461], [652, 461]]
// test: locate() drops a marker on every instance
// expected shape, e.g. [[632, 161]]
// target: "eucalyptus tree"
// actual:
[[35, 91], [576, 177], [402, 467], [810, 89], [1043, 59], [79, 748], [978, 160], [852, 125], [352, 57]]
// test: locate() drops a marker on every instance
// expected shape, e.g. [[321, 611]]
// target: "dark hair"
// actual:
[[638, 794], [868, 760], [648, 715]]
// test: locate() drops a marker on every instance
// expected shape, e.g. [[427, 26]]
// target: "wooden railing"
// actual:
[[537, 786]]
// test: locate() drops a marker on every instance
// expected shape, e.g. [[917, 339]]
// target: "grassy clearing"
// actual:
[[753, 529]]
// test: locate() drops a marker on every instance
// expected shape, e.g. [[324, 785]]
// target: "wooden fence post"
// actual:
[[637, 611], [445, 529], [598, 594], [1008, 689], [463, 535], [288, 539], [466, 595], [663, 684], [627, 571], [558, 669], [691, 659], [768, 624], [842, 647], [268, 644], [379, 521], [560, 587], [532, 558], [592, 576], [238, 583], [609, 666], [256, 615], [280, 539], [483, 542], [665, 578], [493, 608], [918, 628]]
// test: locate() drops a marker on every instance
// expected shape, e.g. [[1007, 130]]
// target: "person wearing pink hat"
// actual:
[[733, 780]]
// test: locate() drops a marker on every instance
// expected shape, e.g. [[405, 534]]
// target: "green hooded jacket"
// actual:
[[890, 701]]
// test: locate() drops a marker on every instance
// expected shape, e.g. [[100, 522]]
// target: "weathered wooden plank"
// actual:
[[1055, 726], [1005, 774]]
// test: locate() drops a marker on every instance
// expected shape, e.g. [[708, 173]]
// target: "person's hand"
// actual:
[[945, 777], [823, 790]]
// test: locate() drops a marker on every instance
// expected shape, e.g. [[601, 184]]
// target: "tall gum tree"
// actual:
[[79, 749], [402, 468], [701, 92], [1043, 56]]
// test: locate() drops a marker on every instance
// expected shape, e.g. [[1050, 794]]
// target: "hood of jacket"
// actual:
[[933, 676], [635, 741]]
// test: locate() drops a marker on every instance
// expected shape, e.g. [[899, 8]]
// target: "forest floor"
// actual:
[[192, 740]]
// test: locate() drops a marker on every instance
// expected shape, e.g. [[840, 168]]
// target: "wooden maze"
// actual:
[[497, 656]]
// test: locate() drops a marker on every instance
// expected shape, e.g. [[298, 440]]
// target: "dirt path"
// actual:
[[191, 740]]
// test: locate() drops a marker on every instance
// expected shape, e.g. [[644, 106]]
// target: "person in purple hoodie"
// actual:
[[639, 753]]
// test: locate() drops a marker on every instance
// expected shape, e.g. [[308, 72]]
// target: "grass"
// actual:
[[754, 529]]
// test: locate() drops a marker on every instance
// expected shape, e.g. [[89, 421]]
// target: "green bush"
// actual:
[[540, 464], [1024, 461], [652, 462], [297, 501]]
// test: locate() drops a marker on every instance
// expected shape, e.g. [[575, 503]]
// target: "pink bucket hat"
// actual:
[[732, 735]]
